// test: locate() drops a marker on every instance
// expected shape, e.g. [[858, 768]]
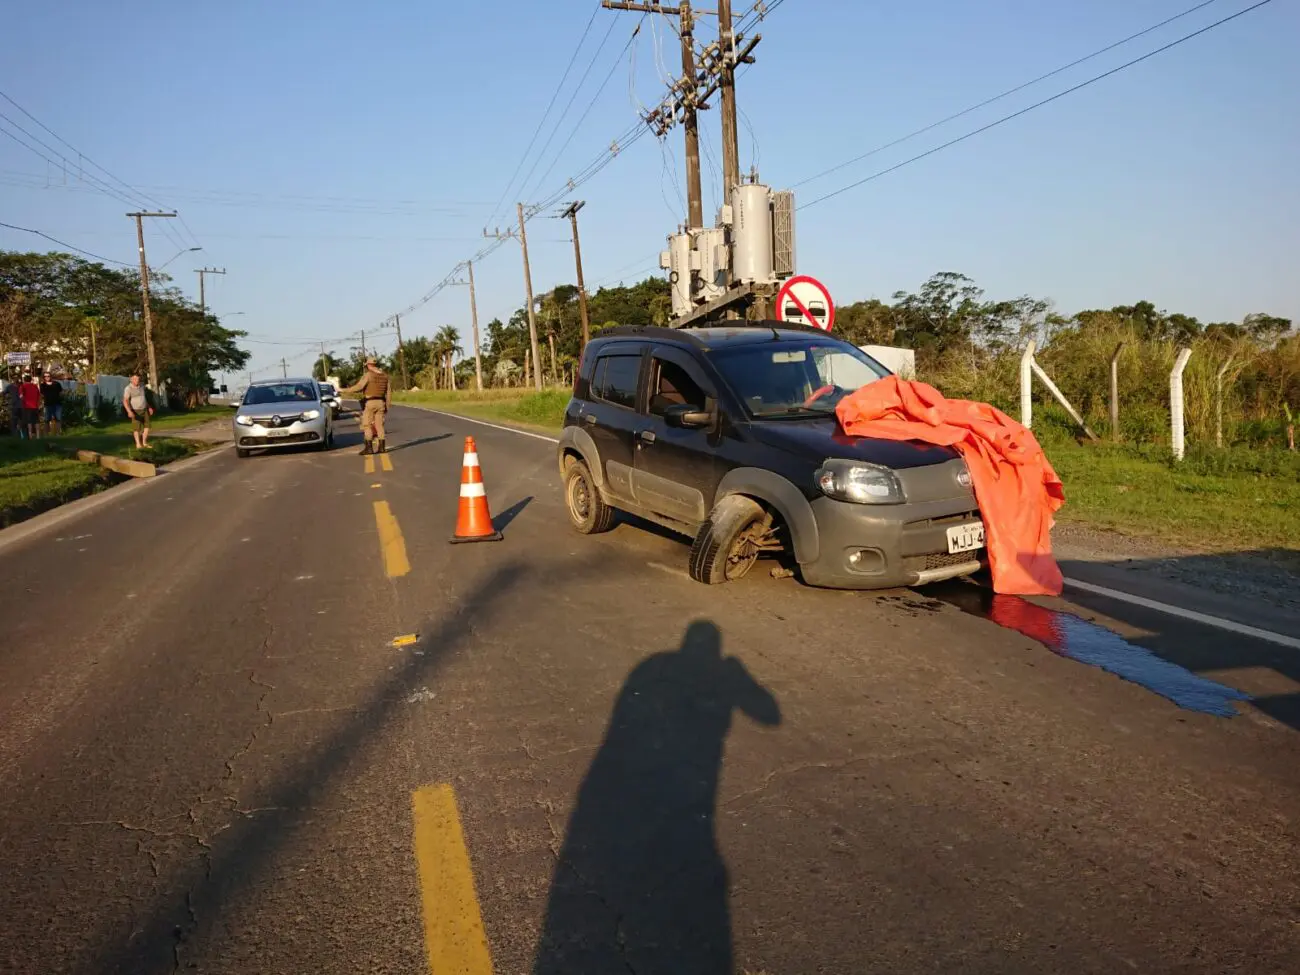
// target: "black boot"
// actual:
[[366, 449], [381, 449]]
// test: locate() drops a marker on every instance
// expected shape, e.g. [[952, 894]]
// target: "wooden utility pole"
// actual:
[[201, 272], [528, 293], [686, 91], [144, 298], [730, 145], [284, 369], [401, 352], [571, 211], [473, 315], [363, 344], [324, 364]]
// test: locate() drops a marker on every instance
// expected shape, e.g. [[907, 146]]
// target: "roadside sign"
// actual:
[[18, 358], [805, 301]]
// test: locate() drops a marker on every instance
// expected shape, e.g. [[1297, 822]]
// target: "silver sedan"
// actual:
[[278, 413]]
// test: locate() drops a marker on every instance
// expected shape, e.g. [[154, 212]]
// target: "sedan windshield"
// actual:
[[279, 393], [795, 378]]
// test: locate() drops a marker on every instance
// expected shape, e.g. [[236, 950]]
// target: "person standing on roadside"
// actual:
[[52, 397], [14, 400], [30, 394], [377, 395], [135, 400]]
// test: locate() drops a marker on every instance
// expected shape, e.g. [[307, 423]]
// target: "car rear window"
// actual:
[[615, 379]]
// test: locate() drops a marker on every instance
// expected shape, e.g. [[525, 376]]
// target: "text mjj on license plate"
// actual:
[[965, 538]]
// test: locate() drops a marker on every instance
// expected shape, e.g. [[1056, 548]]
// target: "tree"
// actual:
[[48, 303]]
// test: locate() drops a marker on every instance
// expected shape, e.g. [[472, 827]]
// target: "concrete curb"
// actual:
[[31, 528]]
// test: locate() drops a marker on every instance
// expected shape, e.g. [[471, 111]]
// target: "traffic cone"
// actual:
[[473, 521]]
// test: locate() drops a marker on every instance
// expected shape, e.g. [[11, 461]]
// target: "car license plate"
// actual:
[[965, 538], [285, 433]]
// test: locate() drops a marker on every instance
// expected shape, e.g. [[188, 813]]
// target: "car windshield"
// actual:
[[280, 393], [795, 378]]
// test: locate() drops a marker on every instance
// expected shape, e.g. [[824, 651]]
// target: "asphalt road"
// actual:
[[217, 760]]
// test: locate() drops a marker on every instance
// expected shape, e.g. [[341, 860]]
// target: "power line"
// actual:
[[542, 121], [41, 233], [135, 194], [1008, 92], [583, 118], [1038, 104]]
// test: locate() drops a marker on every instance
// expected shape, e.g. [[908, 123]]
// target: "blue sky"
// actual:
[[339, 159]]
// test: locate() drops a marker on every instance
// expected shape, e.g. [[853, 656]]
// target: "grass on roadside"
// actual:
[[542, 411], [36, 475], [168, 420], [1224, 499], [1235, 499]]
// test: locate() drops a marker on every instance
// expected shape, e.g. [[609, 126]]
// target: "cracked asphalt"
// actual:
[[210, 745]]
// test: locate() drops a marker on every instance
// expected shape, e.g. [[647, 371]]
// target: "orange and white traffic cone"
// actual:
[[473, 521]]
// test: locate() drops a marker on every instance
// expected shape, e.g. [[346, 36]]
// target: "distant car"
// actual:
[[330, 396], [278, 413], [728, 435]]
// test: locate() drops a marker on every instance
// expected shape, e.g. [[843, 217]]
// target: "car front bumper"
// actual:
[[885, 546], [296, 434]]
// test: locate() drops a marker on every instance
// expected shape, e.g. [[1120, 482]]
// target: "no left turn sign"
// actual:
[[805, 301]]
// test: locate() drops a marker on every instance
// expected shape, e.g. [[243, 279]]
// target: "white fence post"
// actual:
[[1026, 385], [1176, 403]]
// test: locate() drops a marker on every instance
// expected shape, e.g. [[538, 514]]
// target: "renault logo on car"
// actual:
[[963, 477], [275, 422]]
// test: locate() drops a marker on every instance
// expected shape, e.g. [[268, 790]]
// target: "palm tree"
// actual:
[[446, 343]]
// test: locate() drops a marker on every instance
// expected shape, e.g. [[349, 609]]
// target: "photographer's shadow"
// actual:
[[640, 883]]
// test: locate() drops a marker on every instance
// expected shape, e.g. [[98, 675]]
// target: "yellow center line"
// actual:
[[391, 543], [370, 464], [385, 462], [453, 923]]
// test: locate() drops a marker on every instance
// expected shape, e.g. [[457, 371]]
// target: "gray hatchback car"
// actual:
[[728, 435], [279, 413]]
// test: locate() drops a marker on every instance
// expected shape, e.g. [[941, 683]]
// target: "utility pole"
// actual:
[[144, 297], [324, 364], [528, 293], [685, 91], [201, 271], [363, 344], [401, 352], [473, 314], [284, 369], [571, 211], [730, 146]]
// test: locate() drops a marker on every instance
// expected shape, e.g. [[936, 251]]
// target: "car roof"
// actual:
[[719, 336], [283, 382]]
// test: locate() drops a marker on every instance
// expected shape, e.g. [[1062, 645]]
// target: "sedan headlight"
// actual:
[[311, 415], [244, 421], [853, 480]]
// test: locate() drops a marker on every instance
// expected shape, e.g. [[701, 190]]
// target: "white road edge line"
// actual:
[[1188, 614]]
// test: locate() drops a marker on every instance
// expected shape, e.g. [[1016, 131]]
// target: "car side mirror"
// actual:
[[687, 416]]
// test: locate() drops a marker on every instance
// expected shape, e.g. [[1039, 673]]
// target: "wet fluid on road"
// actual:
[[1078, 639]]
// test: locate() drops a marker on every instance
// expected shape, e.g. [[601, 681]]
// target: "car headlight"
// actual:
[[244, 421], [853, 480], [311, 415]]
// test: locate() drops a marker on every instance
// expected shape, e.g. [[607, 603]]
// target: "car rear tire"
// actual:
[[728, 544], [587, 512]]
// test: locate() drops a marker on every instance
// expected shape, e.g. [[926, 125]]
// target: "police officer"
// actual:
[[376, 394]]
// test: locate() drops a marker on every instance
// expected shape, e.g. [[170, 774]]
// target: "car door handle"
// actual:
[[647, 436], [589, 419]]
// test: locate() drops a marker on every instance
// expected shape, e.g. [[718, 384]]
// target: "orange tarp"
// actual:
[[1015, 486]]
